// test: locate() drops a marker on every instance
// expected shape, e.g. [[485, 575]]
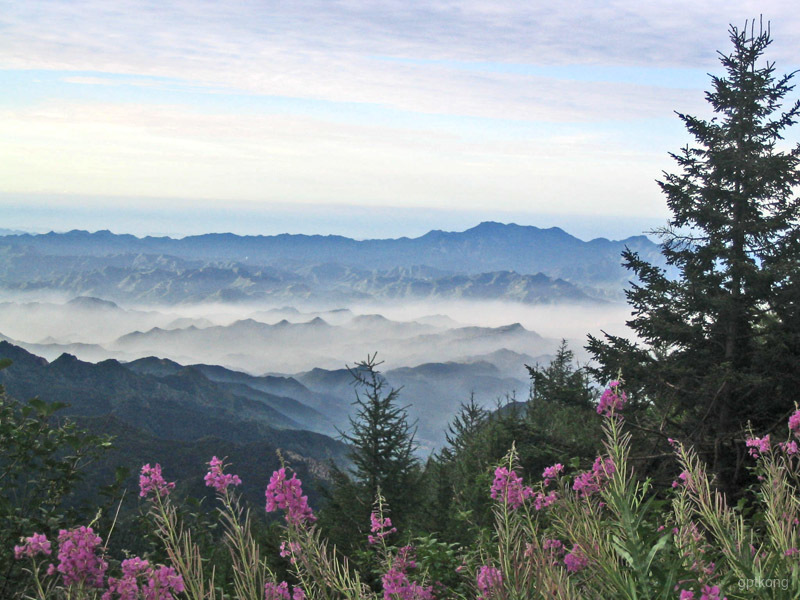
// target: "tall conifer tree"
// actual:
[[720, 341]]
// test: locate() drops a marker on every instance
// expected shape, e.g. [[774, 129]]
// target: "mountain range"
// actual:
[[172, 401], [490, 261]]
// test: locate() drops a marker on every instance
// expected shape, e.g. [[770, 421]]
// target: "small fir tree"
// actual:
[[382, 453]]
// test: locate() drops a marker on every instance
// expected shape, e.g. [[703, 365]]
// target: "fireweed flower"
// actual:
[[612, 401], [575, 560], [151, 480], [684, 478], [397, 585], [758, 446], [541, 501], [790, 448], [794, 423], [78, 557], [490, 581], [33, 545], [686, 595], [156, 584], [508, 488], [380, 527], [287, 494], [592, 481], [710, 592], [289, 550], [127, 586], [405, 559], [280, 591], [218, 480], [551, 473], [162, 582]]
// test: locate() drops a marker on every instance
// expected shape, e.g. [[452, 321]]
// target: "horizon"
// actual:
[[10, 231]]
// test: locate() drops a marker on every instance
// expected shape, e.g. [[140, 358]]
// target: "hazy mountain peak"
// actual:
[[92, 303]]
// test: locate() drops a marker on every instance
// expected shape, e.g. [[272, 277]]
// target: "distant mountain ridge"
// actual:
[[303, 412], [487, 248]]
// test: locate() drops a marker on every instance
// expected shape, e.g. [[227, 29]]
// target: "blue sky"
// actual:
[[368, 119]]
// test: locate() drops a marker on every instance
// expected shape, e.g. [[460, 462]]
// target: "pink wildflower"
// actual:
[[218, 480], [287, 494], [290, 550], [612, 401], [78, 558], [507, 487], [575, 560], [686, 595], [405, 559], [794, 422], [551, 473], [541, 501], [33, 545], [151, 480], [791, 448], [397, 585], [490, 582], [553, 545], [380, 527], [274, 591], [790, 552], [592, 481], [684, 479], [758, 446], [710, 592], [161, 584]]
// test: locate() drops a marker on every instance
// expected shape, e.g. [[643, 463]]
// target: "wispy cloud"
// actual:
[[437, 103]]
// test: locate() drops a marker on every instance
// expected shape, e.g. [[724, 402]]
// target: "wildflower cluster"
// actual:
[[152, 482], [280, 591], [613, 400], [287, 494], [32, 546], [140, 580], [507, 488], [592, 481], [575, 560], [550, 474], [215, 478], [397, 585], [490, 582], [380, 527], [758, 446], [708, 592], [78, 559]]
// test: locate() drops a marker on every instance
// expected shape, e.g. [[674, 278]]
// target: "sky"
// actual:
[[368, 119]]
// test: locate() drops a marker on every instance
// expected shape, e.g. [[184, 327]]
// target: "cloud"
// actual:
[[470, 104], [328, 50], [158, 151]]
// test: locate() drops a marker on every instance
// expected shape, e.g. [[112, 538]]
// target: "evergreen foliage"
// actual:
[[382, 453], [41, 461], [543, 431], [560, 381], [718, 340]]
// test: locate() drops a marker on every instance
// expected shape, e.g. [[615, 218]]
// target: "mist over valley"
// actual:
[[272, 323]]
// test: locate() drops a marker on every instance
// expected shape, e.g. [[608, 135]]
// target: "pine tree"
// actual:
[[381, 437], [382, 453], [719, 342], [561, 381]]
